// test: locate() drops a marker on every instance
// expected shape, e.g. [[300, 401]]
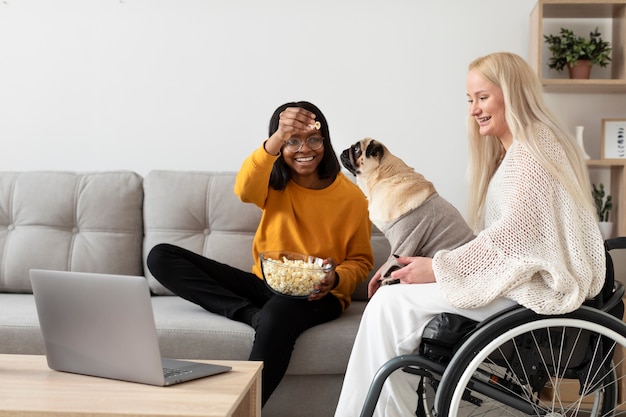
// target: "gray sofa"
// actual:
[[106, 222]]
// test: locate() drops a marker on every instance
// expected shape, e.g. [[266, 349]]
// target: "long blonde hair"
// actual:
[[524, 111]]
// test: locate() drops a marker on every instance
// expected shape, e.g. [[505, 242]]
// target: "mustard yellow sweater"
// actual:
[[328, 223]]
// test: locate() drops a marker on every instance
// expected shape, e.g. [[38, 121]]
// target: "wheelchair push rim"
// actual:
[[464, 380]]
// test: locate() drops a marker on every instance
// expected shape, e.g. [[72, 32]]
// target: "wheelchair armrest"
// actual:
[[616, 298], [615, 243]]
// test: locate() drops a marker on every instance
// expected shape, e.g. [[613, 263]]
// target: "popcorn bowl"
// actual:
[[292, 274]]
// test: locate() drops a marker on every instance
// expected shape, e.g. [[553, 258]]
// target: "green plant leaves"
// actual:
[[567, 49], [603, 205]]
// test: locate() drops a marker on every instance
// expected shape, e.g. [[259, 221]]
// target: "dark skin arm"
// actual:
[[327, 284], [293, 120]]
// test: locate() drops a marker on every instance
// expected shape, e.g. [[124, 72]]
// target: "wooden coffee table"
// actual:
[[28, 388]]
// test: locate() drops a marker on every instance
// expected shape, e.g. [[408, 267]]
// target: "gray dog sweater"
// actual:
[[434, 225]]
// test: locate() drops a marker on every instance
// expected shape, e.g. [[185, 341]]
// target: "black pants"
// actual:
[[234, 293]]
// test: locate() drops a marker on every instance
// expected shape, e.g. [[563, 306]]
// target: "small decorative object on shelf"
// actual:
[[613, 132], [579, 139], [604, 204], [577, 53]]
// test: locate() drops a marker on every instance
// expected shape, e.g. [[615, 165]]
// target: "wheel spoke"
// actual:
[[504, 373]]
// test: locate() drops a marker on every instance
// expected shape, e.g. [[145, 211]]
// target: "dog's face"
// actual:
[[391, 187], [363, 157]]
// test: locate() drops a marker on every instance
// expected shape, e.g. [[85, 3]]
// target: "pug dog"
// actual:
[[403, 205]]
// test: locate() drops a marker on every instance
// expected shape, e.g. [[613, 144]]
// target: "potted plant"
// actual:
[[604, 204], [577, 52]]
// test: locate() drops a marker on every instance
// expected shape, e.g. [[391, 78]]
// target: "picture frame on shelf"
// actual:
[[613, 136]]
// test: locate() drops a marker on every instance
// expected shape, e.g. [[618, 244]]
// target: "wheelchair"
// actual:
[[520, 363]]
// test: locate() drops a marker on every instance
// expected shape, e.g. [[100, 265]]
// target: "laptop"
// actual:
[[103, 325]]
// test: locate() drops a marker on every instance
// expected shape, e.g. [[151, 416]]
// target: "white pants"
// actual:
[[392, 325]]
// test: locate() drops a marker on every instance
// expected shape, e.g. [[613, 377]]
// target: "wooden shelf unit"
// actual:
[[618, 191], [581, 9], [591, 10]]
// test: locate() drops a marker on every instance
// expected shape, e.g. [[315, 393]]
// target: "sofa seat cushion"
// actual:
[[19, 327], [188, 331], [325, 349], [89, 222]]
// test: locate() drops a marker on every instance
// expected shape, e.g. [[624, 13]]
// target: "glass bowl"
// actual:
[[292, 274]]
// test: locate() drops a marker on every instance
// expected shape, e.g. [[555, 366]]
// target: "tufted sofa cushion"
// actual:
[[198, 211], [214, 222], [89, 222]]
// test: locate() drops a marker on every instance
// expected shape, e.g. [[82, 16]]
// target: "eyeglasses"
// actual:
[[295, 144]]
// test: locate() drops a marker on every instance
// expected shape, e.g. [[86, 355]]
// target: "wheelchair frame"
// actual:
[[459, 378]]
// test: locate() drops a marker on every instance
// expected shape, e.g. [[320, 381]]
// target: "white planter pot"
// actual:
[[579, 139], [606, 229]]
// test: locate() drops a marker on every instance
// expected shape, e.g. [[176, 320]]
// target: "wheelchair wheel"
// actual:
[[524, 364]]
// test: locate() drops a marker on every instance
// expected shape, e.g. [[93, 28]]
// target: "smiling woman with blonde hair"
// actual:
[[537, 242], [524, 111]]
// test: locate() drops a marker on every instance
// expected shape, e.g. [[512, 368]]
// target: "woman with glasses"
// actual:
[[308, 207]]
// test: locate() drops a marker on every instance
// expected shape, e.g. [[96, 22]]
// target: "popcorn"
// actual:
[[317, 126], [294, 277]]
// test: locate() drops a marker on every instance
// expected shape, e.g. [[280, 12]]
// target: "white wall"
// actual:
[[191, 84]]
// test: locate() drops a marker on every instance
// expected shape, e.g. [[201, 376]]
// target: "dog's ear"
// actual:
[[375, 149]]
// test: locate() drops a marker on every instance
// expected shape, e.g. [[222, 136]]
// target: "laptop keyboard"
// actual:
[[169, 372]]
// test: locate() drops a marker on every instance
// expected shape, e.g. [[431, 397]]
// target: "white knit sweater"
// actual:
[[539, 247]]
